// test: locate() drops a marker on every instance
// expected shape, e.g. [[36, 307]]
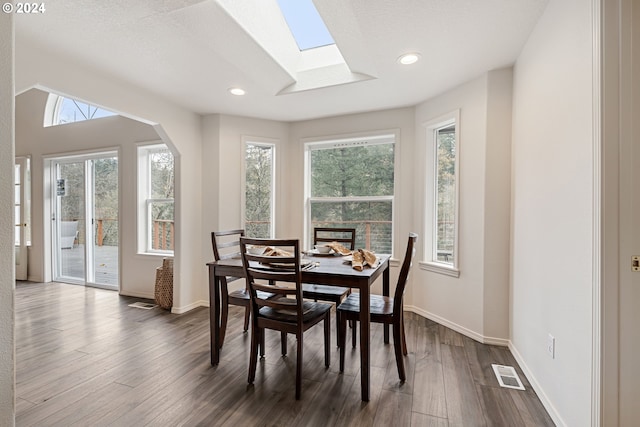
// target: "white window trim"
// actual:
[[144, 202], [391, 136], [264, 142], [431, 263]]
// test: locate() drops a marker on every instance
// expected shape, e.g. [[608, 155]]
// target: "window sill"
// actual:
[[157, 254], [440, 268]]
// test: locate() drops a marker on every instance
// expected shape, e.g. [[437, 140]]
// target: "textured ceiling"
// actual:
[[192, 51]]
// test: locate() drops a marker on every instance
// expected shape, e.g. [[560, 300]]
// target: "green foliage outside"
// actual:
[[446, 186], [106, 197], [355, 171], [258, 178], [162, 190], [72, 202]]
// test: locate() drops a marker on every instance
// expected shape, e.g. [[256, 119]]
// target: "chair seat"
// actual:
[[380, 305], [244, 294], [310, 312], [324, 292]]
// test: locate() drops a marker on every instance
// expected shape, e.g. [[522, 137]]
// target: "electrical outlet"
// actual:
[[551, 346]]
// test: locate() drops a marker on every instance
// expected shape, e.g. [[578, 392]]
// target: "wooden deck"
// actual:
[[84, 357], [105, 262]]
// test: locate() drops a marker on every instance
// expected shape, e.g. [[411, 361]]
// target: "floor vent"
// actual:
[[507, 377], [145, 305]]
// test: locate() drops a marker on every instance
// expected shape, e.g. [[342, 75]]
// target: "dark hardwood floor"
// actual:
[[85, 358]]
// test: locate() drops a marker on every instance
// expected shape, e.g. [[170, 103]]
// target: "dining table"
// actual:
[[326, 270]]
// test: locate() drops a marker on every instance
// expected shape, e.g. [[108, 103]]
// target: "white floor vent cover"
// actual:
[[507, 377], [145, 305]]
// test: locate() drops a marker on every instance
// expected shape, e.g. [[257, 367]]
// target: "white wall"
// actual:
[[181, 129], [7, 273], [137, 271], [475, 303], [222, 162], [497, 204], [232, 156], [552, 209]]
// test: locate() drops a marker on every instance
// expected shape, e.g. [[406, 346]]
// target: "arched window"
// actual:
[[61, 110]]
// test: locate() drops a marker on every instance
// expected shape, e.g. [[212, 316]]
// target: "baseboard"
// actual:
[[546, 402], [174, 309], [189, 307], [461, 329], [145, 295]]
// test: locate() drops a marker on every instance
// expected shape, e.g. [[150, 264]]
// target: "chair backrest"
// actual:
[[226, 244], [404, 274], [69, 229], [340, 235], [264, 272]]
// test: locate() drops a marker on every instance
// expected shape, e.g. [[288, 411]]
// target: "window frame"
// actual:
[[262, 142], [375, 138], [431, 262], [145, 202]]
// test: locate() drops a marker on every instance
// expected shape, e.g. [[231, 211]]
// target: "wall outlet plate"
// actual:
[[551, 346]]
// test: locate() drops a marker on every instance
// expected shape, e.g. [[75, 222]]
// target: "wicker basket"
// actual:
[[164, 284]]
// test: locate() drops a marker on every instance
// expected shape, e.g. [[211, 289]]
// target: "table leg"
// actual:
[[214, 315], [365, 351], [385, 291]]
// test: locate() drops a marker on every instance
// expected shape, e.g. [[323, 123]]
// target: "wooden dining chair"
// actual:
[[334, 294], [385, 310], [288, 313], [345, 236], [226, 245]]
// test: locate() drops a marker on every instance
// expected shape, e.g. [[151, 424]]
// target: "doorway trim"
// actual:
[[614, 27]]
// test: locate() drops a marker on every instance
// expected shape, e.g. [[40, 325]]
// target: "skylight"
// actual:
[[305, 23]]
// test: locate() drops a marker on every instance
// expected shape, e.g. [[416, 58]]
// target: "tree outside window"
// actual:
[[156, 182], [352, 185], [259, 189], [446, 193]]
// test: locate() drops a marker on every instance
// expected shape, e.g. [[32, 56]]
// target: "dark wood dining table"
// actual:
[[330, 271]]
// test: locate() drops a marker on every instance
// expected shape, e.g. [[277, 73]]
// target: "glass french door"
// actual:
[[85, 220]]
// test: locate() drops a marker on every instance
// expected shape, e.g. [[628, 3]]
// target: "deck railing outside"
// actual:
[[375, 235], [369, 234], [163, 235]]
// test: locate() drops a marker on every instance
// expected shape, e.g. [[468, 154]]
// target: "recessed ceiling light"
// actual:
[[237, 91], [409, 58]]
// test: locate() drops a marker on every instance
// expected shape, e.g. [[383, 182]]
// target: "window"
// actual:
[[350, 183], [259, 189], [60, 110], [442, 195], [156, 199]]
